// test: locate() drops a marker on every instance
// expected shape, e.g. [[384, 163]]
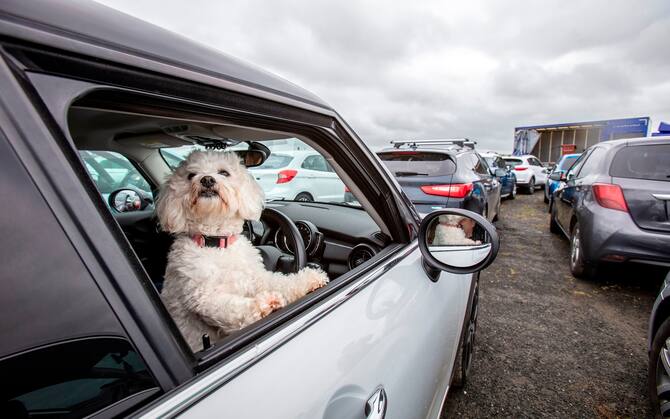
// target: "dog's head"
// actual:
[[212, 191]]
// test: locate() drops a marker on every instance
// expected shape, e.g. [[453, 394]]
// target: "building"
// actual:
[[549, 142]]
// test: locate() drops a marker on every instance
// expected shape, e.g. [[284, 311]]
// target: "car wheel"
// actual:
[[304, 197], [531, 186], [467, 347], [553, 224], [513, 194], [495, 217], [578, 266], [546, 198], [658, 376]]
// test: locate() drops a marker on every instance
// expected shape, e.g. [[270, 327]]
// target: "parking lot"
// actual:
[[552, 345]]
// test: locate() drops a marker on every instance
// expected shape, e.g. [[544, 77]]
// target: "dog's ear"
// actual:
[[170, 205], [250, 198]]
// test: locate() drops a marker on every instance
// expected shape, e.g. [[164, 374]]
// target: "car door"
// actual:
[[490, 184], [569, 193]]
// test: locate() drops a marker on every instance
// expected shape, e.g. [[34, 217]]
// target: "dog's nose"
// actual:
[[207, 181]]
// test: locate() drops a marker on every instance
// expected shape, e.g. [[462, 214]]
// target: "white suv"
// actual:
[[530, 174], [299, 176]]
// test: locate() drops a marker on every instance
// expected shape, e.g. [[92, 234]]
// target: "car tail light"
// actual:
[[346, 189], [286, 176], [457, 190], [610, 196], [520, 169]]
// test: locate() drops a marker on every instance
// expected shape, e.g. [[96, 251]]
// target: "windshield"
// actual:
[[567, 163], [294, 171], [513, 162]]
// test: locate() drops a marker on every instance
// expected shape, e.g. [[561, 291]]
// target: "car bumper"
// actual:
[[523, 177], [612, 236]]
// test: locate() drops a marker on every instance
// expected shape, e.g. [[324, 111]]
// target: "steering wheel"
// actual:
[[273, 258]]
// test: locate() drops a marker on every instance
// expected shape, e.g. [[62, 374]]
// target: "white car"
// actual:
[[530, 174], [299, 176]]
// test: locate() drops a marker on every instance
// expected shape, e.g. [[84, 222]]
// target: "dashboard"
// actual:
[[337, 237]]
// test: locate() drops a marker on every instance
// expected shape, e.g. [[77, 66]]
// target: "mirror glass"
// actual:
[[457, 240], [501, 172], [252, 158], [126, 200], [555, 176]]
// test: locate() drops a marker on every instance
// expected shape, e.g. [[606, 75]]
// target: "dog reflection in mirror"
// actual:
[[453, 229], [215, 281]]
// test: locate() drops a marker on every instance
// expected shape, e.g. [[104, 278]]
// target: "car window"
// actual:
[[650, 162], [578, 164], [567, 163], [77, 378], [513, 162], [490, 161], [591, 163], [480, 166], [418, 163], [315, 163], [276, 161], [112, 171]]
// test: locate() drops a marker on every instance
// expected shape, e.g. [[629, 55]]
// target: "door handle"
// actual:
[[375, 408]]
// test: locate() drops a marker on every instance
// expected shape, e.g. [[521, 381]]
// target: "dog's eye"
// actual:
[[224, 173], [191, 176]]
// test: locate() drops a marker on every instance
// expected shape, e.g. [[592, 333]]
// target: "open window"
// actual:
[[128, 154]]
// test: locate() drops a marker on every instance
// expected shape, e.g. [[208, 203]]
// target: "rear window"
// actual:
[[276, 161], [417, 163], [650, 162], [568, 162], [513, 162]]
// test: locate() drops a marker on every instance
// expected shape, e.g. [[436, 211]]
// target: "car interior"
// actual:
[[128, 155]]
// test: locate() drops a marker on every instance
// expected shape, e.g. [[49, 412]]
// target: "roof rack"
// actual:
[[461, 142]]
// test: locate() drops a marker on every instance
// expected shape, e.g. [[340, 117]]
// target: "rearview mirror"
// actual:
[[252, 158], [457, 241]]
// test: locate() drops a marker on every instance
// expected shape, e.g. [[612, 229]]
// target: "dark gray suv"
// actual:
[[614, 205]]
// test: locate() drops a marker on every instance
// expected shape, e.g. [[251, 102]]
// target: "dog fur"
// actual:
[[219, 290], [449, 232]]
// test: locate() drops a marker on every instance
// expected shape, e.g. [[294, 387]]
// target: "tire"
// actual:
[[578, 265], [531, 186], [553, 224], [304, 197], [546, 198], [467, 346], [657, 374], [495, 217], [512, 195]]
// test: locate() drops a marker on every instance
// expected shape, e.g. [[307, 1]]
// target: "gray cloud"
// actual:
[[437, 69]]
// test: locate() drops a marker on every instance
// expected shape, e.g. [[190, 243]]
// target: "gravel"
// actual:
[[551, 345]]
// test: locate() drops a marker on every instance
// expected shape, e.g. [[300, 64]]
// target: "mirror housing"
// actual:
[[457, 241], [557, 176], [501, 172], [128, 200]]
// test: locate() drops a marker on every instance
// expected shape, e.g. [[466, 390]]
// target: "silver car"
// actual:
[[84, 332]]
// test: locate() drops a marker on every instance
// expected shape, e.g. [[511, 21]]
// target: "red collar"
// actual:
[[221, 242]]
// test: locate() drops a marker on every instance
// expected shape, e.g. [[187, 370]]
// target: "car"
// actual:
[[554, 178], [501, 170], [438, 174], [658, 345], [85, 332], [613, 206], [530, 174]]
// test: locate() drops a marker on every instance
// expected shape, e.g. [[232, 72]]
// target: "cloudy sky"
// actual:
[[438, 69]]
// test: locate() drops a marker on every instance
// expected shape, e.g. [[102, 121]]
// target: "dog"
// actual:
[[215, 280], [450, 230]]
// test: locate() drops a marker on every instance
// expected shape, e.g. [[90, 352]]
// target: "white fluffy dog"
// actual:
[[215, 281], [450, 230]]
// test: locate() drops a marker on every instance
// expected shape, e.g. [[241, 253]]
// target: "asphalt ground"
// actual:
[[551, 345]]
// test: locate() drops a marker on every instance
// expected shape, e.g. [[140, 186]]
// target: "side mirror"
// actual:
[[568, 176], [457, 241], [501, 172], [128, 200], [556, 176]]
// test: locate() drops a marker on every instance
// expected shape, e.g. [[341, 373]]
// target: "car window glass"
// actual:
[[417, 163], [111, 171], [591, 163], [315, 163], [481, 167], [567, 163], [578, 164], [513, 162], [650, 162], [76, 378]]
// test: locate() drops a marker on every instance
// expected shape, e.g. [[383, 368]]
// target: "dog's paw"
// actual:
[[315, 279], [269, 302]]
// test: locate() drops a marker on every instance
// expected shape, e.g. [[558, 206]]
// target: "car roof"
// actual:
[[449, 149], [85, 23]]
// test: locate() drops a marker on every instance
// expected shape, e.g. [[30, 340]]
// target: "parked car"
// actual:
[[614, 205], [84, 332], [552, 182], [658, 376], [503, 172], [530, 174], [442, 174]]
